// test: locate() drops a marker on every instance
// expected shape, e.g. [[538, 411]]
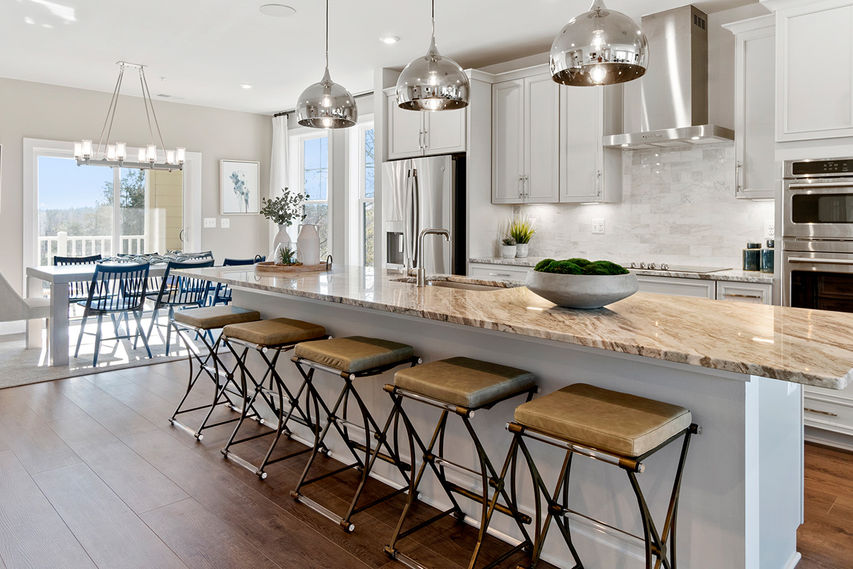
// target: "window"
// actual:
[[366, 184], [314, 161]]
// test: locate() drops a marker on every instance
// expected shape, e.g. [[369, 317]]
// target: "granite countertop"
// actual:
[[811, 347], [736, 275]]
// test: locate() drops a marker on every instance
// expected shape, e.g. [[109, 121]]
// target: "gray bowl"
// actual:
[[582, 291]]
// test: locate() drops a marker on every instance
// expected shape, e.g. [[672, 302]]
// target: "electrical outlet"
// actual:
[[598, 226], [224, 223], [210, 223], [770, 229]]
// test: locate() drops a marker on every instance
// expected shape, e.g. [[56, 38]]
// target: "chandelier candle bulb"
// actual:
[[121, 151], [111, 151], [78, 150], [170, 157], [87, 148], [181, 155], [141, 155], [151, 153]]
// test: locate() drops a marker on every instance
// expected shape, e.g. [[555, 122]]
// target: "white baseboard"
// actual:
[[828, 438], [793, 561]]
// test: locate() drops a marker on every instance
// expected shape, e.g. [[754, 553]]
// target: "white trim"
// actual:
[[297, 139]]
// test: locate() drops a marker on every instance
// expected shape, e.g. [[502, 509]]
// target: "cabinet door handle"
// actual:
[[738, 177], [819, 412], [598, 183], [738, 295], [500, 275], [521, 187], [426, 139]]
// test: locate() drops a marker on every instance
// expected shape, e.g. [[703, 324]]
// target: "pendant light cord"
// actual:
[[433, 19], [327, 34]]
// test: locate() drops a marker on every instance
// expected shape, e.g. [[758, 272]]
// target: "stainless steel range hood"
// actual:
[[668, 106]]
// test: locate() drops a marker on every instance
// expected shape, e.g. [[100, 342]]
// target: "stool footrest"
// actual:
[[523, 518], [382, 456], [323, 511]]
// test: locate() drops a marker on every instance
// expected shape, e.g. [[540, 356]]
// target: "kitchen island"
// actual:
[[738, 368]]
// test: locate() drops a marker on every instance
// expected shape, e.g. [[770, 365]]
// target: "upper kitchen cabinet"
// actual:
[[756, 168], [588, 171], [814, 70], [419, 133], [526, 139]]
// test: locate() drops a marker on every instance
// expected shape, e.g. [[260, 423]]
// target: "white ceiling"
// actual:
[[201, 51]]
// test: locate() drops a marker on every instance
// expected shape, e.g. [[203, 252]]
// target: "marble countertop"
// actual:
[[736, 275], [811, 347]]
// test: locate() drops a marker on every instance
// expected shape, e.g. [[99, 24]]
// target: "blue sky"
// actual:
[[63, 184]]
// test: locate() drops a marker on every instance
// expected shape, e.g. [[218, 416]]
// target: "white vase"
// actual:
[[508, 251], [308, 244], [521, 250], [281, 238]]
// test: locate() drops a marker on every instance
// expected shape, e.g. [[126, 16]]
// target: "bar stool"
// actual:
[[201, 322], [351, 358], [460, 386], [611, 427], [269, 337]]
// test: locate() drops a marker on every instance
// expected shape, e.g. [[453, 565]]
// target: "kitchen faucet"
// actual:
[[421, 272]]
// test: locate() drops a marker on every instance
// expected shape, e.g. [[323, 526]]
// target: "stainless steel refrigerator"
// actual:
[[423, 193]]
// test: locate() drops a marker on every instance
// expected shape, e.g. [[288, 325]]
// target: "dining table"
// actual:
[[58, 279]]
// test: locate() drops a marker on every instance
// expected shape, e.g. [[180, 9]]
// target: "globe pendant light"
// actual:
[[432, 82], [599, 47], [326, 104]]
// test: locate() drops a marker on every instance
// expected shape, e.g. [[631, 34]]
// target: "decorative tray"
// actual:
[[272, 268]]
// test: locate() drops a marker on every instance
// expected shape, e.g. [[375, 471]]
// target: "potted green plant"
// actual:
[[508, 248], [283, 211], [522, 231]]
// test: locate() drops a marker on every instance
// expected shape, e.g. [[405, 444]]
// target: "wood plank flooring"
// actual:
[[93, 476]]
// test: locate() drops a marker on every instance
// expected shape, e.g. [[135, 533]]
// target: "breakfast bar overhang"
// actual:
[[738, 368]]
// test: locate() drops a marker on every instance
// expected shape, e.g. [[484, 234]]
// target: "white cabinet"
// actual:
[[756, 167], [755, 293], [495, 272], [677, 286], [413, 133], [814, 72], [526, 140], [829, 410], [588, 171]]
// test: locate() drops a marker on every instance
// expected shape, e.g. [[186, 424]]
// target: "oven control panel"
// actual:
[[806, 168]]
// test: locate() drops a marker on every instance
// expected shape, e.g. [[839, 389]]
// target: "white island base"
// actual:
[[742, 495]]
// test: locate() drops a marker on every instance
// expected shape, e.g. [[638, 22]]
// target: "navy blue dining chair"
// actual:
[[115, 289], [222, 293], [77, 291]]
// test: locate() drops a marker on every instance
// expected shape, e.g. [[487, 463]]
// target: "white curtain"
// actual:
[[278, 158]]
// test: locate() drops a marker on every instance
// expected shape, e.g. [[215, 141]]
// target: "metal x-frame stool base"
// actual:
[[217, 371], [370, 429], [278, 397], [556, 500], [487, 476]]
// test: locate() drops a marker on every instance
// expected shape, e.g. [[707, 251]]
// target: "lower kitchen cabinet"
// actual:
[[829, 410], [679, 287], [490, 272], [755, 293]]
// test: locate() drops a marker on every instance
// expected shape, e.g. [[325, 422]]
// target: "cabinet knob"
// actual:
[[738, 177]]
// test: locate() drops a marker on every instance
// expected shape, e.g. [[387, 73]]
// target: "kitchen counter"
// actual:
[[735, 275], [796, 345], [741, 497]]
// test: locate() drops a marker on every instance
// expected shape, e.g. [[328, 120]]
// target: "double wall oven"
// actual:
[[817, 234]]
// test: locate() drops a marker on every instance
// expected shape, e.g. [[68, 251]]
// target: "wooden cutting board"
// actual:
[[269, 267]]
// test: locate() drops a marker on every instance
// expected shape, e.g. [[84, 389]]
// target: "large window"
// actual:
[[315, 183], [366, 185]]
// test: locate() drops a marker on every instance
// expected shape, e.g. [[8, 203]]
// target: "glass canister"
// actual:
[[752, 257], [768, 257]]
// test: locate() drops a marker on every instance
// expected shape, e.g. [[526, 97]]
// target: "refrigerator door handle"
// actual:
[[416, 210], [407, 221]]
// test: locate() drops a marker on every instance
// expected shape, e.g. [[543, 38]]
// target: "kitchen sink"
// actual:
[[459, 283]]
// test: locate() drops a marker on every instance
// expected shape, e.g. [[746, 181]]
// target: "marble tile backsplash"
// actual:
[[678, 207]]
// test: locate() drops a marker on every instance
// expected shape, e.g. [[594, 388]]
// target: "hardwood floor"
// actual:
[[93, 476]]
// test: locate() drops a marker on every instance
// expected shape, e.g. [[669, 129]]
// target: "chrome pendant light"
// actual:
[[326, 104], [432, 82], [599, 47]]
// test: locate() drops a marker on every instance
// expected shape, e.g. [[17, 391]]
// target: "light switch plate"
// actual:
[[210, 223], [598, 226], [224, 223]]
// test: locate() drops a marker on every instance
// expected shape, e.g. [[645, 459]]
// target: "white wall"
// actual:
[[35, 110]]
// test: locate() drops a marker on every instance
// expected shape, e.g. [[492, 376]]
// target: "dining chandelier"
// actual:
[[115, 153]]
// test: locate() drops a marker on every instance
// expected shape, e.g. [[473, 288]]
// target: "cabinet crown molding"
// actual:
[[777, 5], [751, 24]]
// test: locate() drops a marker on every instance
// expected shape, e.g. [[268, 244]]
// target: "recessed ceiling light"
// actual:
[[389, 39], [277, 10], [245, 86], [29, 21]]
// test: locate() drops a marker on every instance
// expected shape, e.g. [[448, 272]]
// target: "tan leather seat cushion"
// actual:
[[215, 316], [355, 353], [274, 332], [464, 381], [607, 420]]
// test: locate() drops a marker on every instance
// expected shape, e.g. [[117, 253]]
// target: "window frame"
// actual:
[[361, 173], [297, 142]]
